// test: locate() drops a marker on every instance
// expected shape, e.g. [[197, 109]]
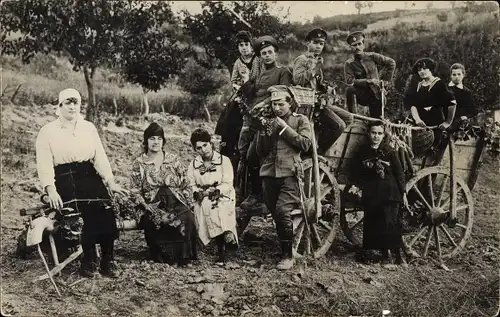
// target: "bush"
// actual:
[[443, 16]]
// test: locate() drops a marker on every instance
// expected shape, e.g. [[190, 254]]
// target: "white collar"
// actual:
[[451, 84]]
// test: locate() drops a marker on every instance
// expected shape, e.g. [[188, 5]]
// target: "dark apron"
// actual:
[[81, 181]]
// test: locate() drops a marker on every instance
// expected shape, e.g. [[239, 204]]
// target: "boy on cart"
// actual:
[[279, 150], [308, 73]]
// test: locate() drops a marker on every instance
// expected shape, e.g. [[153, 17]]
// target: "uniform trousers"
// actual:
[[366, 97]]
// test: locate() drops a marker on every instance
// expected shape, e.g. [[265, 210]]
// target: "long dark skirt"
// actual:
[[81, 181], [382, 227], [175, 238]]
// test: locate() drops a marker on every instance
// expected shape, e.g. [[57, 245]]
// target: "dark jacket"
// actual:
[[370, 66], [436, 97], [465, 102], [378, 189], [255, 90], [280, 153]]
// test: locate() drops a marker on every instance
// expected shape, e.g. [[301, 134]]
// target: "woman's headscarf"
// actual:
[[154, 129], [67, 94]]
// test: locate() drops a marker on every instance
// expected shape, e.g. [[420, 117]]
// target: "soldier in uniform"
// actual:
[[280, 154], [364, 72], [255, 91], [307, 72]]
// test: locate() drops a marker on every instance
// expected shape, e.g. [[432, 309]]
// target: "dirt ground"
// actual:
[[249, 285]]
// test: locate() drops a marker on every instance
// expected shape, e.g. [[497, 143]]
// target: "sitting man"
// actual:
[[279, 153], [307, 72], [255, 91], [364, 73]]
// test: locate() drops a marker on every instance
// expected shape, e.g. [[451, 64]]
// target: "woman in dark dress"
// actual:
[[377, 171], [431, 104], [168, 222]]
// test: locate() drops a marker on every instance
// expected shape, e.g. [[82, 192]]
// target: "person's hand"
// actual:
[[246, 76], [55, 200], [444, 125], [420, 123], [117, 189], [374, 81], [281, 122]]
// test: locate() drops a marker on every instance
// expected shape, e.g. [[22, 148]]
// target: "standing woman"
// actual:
[[72, 164], [376, 170], [211, 177], [168, 222]]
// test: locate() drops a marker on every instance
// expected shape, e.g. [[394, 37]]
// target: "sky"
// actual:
[[301, 11]]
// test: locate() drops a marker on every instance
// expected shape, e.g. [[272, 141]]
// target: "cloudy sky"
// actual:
[[307, 10]]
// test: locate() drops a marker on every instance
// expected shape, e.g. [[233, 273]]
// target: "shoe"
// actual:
[[109, 269], [285, 264], [250, 201], [401, 261], [87, 270]]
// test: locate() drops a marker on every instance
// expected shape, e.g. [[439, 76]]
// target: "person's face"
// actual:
[[70, 108], [424, 73], [376, 135], [280, 107], [268, 55], [204, 149], [316, 46], [358, 47], [457, 76], [155, 143], [245, 48]]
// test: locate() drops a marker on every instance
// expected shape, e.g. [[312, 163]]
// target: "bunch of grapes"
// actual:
[[125, 208]]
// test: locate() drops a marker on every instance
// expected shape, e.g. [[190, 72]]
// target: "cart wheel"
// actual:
[[318, 239], [351, 221], [429, 200]]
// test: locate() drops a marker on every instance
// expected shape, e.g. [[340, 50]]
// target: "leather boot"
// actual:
[[221, 249], [287, 260]]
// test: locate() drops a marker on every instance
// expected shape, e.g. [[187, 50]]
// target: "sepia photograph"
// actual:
[[250, 158]]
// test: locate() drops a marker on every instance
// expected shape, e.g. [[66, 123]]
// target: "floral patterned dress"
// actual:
[[215, 214], [169, 224]]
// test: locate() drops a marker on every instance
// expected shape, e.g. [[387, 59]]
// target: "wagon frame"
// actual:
[[446, 216]]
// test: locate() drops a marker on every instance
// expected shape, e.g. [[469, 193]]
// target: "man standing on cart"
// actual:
[[255, 91], [279, 150], [307, 72], [364, 73]]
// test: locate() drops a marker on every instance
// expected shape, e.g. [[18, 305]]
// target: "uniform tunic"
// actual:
[[280, 155], [214, 219], [378, 173], [303, 73]]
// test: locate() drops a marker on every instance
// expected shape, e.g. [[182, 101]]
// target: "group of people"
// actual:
[[72, 163]]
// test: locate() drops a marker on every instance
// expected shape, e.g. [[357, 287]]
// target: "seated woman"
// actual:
[[431, 103], [169, 224], [72, 164], [376, 170], [211, 177]]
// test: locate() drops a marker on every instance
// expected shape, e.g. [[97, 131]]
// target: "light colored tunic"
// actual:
[[214, 220], [59, 143]]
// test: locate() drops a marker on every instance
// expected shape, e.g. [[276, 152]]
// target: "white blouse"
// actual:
[[59, 143]]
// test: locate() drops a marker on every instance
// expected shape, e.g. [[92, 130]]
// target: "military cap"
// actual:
[[279, 92], [263, 42], [317, 33], [425, 62], [355, 37], [243, 36]]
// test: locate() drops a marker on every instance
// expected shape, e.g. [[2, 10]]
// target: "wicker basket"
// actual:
[[305, 98]]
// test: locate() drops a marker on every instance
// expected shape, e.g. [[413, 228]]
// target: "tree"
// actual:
[[200, 82], [156, 57], [370, 4], [92, 33], [453, 4], [359, 5], [429, 5], [214, 29]]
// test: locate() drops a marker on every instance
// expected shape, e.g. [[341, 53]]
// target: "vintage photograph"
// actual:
[[250, 158]]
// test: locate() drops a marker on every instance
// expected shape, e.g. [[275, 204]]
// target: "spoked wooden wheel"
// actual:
[[316, 238], [351, 220], [437, 234]]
